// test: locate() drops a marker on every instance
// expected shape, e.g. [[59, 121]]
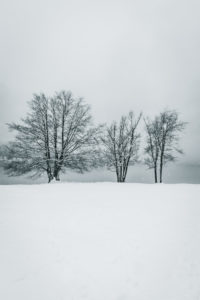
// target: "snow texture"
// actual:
[[100, 241]]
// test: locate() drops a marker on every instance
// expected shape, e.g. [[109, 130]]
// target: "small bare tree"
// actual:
[[57, 134], [162, 140], [170, 127], [120, 145], [153, 147]]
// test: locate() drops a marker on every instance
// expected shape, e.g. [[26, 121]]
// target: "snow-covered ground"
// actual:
[[100, 241]]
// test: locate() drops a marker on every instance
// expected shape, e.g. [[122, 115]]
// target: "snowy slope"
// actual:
[[102, 241]]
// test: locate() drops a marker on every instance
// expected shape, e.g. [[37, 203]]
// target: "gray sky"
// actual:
[[119, 55]]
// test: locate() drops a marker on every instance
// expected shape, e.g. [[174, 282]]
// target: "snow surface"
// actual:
[[100, 241]]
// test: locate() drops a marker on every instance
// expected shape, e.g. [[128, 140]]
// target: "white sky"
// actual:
[[119, 55]]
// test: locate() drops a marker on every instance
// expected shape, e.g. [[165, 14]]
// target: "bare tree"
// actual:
[[73, 136], [153, 147], [56, 134], [31, 149], [162, 140], [121, 143], [170, 127]]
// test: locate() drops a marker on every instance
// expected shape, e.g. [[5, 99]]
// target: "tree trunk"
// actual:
[[120, 179], [161, 168], [155, 173], [50, 177], [125, 169], [56, 175], [162, 158]]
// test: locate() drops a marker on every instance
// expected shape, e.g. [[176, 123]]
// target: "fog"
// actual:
[[118, 55]]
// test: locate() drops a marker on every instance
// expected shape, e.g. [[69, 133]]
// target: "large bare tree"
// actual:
[[120, 145], [56, 134], [72, 133], [162, 140]]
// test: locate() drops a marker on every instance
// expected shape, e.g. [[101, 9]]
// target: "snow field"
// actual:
[[100, 241]]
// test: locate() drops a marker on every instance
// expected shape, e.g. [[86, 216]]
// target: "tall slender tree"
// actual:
[[170, 128], [162, 140], [152, 148]]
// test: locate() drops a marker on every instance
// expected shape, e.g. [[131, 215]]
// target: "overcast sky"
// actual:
[[119, 55]]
